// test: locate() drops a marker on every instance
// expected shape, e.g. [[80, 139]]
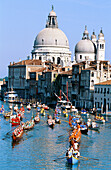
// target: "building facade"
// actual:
[[102, 95]]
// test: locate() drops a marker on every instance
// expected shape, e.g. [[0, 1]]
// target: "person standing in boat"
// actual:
[[76, 145]]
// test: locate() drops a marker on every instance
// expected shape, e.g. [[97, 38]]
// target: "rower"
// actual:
[[76, 145]]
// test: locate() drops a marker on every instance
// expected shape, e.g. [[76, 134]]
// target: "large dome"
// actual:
[[85, 46], [51, 37]]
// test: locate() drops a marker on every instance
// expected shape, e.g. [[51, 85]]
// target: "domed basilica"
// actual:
[[90, 49], [51, 44]]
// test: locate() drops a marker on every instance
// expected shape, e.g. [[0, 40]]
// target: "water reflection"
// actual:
[[72, 167]]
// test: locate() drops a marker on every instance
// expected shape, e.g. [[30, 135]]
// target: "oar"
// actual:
[[60, 158], [86, 136], [65, 132], [65, 121], [89, 158], [11, 130]]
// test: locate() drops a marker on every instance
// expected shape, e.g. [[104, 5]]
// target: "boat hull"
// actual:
[[18, 137], [15, 123], [72, 160]]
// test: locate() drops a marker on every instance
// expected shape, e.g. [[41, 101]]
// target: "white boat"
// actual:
[[63, 104], [11, 96]]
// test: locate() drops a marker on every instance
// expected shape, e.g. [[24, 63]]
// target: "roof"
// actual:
[[67, 72], [27, 62], [91, 68], [38, 70], [108, 82]]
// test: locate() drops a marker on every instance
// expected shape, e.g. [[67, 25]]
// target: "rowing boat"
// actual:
[[84, 129], [28, 125], [51, 123], [57, 120], [37, 119], [17, 134], [72, 160]]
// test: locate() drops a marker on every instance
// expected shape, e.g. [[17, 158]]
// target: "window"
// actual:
[[95, 90], [53, 59], [80, 56], [98, 90], [104, 90], [40, 58], [92, 74], [108, 91], [101, 90], [54, 75], [92, 82], [42, 41], [102, 46], [55, 42]]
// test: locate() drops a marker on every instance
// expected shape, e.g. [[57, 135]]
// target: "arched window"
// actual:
[[42, 41], [80, 56], [40, 58], [92, 82], [92, 74], [55, 42], [53, 59], [58, 60], [100, 46]]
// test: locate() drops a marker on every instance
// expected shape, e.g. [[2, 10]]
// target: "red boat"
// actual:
[[15, 121], [17, 134]]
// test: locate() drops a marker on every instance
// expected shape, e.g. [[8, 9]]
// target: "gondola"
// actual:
[[28, 125], [99, 119], [51, 123], [15, 121], [7, 115], [57, 120], [94, 128], [37, 119], [17, 134], [84, 129]]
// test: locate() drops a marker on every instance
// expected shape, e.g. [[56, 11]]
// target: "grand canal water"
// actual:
[[41, 146]]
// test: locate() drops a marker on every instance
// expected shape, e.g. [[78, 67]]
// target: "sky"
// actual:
[[22, 20]]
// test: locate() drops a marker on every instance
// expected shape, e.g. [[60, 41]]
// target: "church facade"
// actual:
[[51, 44], [90, 49]]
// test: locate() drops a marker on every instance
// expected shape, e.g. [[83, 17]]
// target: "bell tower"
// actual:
[[100, 47]]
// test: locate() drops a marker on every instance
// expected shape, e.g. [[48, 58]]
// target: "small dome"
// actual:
[[93, 36], [85, 46], [51, 37]]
